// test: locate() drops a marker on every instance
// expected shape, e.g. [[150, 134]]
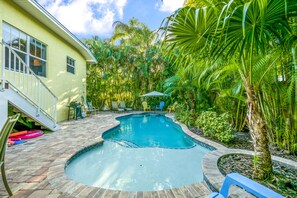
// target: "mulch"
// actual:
[[282, 180], [243, 140]]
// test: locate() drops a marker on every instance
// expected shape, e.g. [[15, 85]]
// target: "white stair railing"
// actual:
[[23, 80]]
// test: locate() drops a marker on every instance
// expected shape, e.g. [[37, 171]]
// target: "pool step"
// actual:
[[124, 143]]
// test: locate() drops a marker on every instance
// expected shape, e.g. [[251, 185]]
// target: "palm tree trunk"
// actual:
[[192, 99], [293, 109], [257, 127]]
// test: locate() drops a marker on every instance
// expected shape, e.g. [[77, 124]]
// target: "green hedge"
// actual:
[[215, 126]]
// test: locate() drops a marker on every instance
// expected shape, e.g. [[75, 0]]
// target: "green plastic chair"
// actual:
[[4, 134]]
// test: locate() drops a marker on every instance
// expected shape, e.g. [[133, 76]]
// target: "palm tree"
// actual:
[[129, 64], [134, 33], [243, 34], [201, 3]]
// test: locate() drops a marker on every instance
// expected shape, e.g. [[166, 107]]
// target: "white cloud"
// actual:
[[170, 5], [120, 4], [86, 17]]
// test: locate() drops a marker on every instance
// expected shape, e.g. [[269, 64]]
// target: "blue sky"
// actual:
[[87, 18]]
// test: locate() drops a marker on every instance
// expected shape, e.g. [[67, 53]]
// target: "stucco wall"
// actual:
[[66, 86]]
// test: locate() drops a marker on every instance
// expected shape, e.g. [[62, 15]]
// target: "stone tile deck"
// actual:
[[35, 169]]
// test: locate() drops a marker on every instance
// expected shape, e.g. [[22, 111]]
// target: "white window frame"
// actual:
[[27, 52], [68, 63]]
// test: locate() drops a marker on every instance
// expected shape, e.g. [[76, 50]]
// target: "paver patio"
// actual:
[[27, 164]]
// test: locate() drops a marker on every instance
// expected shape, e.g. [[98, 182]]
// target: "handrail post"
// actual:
[[38, 98], [55, 111], [3, 68]]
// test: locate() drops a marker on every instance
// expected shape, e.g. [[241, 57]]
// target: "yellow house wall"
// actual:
[[66, 86]]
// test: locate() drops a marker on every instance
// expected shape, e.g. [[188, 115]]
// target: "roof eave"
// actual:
[[36, 10]]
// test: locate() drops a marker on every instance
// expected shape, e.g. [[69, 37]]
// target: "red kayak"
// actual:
[[29, 135]]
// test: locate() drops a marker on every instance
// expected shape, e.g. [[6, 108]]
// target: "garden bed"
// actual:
[[243, 140], [283, 179]]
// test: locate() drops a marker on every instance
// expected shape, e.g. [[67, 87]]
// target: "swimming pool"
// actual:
[[146, 152], [149, 130]]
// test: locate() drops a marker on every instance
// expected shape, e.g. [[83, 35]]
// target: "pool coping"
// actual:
[[212, 176], [60, 181]]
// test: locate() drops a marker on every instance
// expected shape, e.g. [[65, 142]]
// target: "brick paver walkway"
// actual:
[[27, 165]]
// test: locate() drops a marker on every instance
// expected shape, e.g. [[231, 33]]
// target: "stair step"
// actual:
[[19, 104]]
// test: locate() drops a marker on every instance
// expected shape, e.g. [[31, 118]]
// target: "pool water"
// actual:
[[145, 153], [149, 130]]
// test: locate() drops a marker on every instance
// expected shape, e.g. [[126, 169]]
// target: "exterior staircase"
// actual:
[[25, 91]]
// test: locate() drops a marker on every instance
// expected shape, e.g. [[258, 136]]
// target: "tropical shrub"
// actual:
[[182, 114], [251, 37], [128, 65], [215, 126], [179, 111]]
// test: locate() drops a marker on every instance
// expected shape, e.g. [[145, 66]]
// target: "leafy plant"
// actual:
[[184, 115], [250, 36], [215, 126], [24, 122], [255, 160], [128, 65]]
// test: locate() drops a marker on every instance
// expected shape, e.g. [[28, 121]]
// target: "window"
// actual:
[[37, 57], [31, 51], [70, 65]]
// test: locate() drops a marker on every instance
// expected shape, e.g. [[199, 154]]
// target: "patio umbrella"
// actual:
[[154, 94]]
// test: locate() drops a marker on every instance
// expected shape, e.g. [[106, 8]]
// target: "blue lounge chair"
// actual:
[[245, 183], [161, 106]]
